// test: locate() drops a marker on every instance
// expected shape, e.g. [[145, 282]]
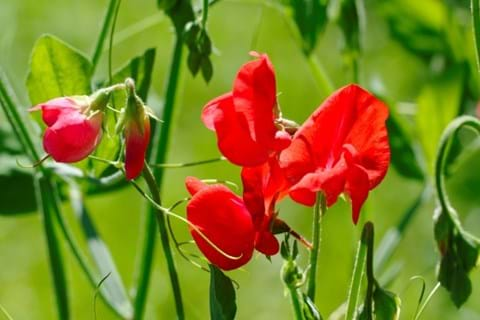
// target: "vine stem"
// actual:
[[475, 7], [318, 212], [441, 160], [97, 53], [159, 155], [295, 298]]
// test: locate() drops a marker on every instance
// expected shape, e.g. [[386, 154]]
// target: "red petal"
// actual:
[[224, 220], [55, 108], [357, 187], [136, 144], [73, 136], [234, 139], [350, 116], [266, 243], [194, 185], [244, 119]]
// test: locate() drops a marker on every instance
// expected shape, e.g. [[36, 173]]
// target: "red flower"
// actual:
[[342, 147], [137, 138], [263, 186], [224, 220], [72, 133], [243, 119]]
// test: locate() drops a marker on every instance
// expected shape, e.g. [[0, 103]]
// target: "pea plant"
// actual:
[[82, 136]]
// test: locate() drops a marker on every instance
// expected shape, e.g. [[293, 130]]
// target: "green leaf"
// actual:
[[56, 70], [17, 194], [404, 157], [310, 16], [439, 103], [418, 25], [459, 255], [222, 296], [346, 14], [140, 70], [193, 33], [310, 310], [112, 289], [387, 305]]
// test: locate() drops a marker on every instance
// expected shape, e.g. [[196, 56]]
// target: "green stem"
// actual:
[[16, 121], [441, 160], [390, 241], [97, 53], [110, 43], [204, 14], [159, 155], [318, 212], [161, 221], [47, 206], [475, 6], [319, 74], [367, 237], [356, 283], [186, 164], [296, 302]]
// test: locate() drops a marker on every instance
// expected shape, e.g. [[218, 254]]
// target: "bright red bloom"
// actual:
[[72, 133], [243, 119], [137, 138], [342, 147], [263, 186], [224, 219]]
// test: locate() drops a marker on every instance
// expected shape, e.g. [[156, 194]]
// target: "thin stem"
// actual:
[[367, 237], [475, 6], [318, 211], [5, 313], [356, 283], [296, 304], [391, 239], [319, 74], [204, 14], [159, 155], [161, 221], [97, 53], [110, 42], [427, 300], [441, 160], [8, 103], [186, 164], [43, 189]]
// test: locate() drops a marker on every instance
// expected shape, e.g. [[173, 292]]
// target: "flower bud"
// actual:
[[137, 132], [74, 126]]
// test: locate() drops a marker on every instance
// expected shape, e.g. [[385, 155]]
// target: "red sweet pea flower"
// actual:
[[224, 220], [243, 119], [342, 147], [262, 186], [72, 132]]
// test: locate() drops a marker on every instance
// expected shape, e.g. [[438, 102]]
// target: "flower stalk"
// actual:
[[318, 211]]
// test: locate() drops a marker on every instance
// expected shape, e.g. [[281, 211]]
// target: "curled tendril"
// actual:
[[193, 226], [441, 161]]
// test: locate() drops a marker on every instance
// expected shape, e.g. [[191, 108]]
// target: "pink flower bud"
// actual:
[[71, 134]]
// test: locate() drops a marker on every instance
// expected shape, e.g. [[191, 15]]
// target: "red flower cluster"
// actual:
[[341, 148]]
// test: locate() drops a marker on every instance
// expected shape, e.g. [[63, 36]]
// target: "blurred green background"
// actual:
[[406, 45]]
